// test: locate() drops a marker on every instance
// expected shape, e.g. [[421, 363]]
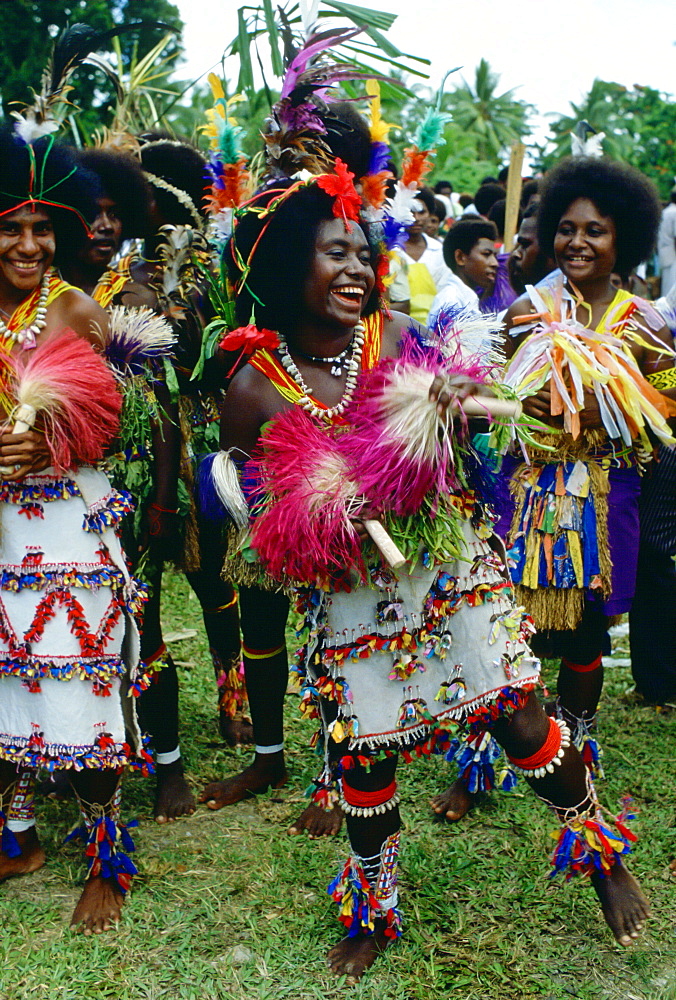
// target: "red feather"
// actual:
[[75, 394]]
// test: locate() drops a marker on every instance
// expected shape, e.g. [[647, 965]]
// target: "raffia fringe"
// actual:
[[561, 608], [244, 573]]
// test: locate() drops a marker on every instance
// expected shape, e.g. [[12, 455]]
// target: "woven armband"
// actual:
[[663, 380]]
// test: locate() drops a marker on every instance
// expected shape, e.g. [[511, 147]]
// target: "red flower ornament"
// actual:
[[339, 185], [248, 339]]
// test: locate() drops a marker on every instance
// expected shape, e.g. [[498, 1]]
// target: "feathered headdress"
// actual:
[[586, 141], [418, 160], [74, 47], [295, 132], [230, 179]]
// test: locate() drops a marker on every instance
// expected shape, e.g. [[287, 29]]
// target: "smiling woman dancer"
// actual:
[[575, 532], [320, 296], [597, 217], [65, 592]]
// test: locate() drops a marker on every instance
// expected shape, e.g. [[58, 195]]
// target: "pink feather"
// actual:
[[397, 447], [304, 532], [75, 395]]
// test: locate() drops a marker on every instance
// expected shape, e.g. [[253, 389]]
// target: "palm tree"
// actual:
[[494, 121]]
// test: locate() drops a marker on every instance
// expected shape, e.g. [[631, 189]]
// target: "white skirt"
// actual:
[[414, 649], [68, 644]]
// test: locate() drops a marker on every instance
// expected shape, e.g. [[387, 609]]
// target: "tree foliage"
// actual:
[[476, 139], [29, 27], [639, 125], [494, 121]]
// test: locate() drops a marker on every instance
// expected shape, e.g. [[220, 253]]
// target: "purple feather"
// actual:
[[380, 157]]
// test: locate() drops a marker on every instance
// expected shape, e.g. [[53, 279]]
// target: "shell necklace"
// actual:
[[27, 336], [353, 365]]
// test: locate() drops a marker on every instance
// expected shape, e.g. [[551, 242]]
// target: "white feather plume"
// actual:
[[226, 483]]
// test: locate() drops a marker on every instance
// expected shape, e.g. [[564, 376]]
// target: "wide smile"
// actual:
[[349, 294], [27, 266]]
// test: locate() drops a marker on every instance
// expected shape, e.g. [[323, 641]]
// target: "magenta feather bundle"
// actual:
[[305, 533], [71, 389], [398, 448]]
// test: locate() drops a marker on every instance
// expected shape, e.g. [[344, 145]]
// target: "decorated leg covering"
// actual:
[[550, 754], [107, 840], [591, 841], [365, 890], [16, 812]]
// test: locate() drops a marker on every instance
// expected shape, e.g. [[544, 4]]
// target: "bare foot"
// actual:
[[454, 802], [352, 956], [99, 907], [318, 822], [624, 906], [173, 796], [31, 858], [267, 771], [235, 732]]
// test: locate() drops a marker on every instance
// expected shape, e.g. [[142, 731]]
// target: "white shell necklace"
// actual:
[[352, 366], [27, 336]]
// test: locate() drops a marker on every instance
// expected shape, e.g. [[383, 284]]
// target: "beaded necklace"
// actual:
[[26, 336], [352, 366]]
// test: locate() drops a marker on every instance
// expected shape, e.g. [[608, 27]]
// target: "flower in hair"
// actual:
[[339, 185]]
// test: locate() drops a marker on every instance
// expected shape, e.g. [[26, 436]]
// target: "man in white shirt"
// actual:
[[469, 249], [666, 245], [423, 260]]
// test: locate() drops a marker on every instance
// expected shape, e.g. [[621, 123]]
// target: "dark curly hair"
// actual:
[[464, 235], [66, 191], [182, 166], [123, 182], [618, 191], [273, 290]]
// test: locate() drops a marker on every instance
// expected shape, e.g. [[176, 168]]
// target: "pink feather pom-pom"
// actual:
[[305, 533], [75, 395], [397, 447]]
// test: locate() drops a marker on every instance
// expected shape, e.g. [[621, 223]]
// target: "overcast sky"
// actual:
[[549, 50]]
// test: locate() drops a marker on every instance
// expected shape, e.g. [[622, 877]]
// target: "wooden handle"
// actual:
[[489, 406], [24, 420], [389, 551]]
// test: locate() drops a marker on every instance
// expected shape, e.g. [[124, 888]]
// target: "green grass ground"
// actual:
[[227, 906]]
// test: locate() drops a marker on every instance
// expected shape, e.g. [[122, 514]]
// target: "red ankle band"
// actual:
[[546, 754], [368, 800], [582, 668]]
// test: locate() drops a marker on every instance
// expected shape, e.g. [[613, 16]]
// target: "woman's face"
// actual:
[[585, 242], [106, 235], [341, 278], [27, 247]]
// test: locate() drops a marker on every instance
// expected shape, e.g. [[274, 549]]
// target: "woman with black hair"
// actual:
[[329, 326], [575, 530], [173, 174], [68, 637]]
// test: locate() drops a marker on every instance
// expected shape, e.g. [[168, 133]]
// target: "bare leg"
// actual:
[[23, 853], [263, 619], [624, 906], [100, 905], [158, 715]]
